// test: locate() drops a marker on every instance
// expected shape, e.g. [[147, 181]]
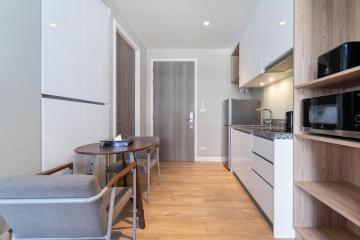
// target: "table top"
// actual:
[[97, 149]]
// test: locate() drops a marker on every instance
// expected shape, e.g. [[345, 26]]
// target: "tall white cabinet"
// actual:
[[75, 49], [75, 78]]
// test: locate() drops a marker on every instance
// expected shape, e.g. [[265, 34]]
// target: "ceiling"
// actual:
[[178, 24]]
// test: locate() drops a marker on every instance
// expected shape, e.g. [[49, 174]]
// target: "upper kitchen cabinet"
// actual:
[[250, 54], [266, 38], [277, 30], [235, 65], [75, 49]]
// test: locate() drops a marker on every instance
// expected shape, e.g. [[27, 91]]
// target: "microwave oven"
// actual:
[[335, 115]]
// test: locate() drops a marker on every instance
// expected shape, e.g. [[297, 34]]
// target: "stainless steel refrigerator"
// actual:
[[236, 112]]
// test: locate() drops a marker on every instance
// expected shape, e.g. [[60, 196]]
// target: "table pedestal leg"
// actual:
[[124, 166], [139, 203]]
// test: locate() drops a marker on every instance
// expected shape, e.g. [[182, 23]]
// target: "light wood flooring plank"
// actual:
[[200, 201]]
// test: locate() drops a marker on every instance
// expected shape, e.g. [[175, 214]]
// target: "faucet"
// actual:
[[267, 120]]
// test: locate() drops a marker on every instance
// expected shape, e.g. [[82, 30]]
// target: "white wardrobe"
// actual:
[[75, 77]]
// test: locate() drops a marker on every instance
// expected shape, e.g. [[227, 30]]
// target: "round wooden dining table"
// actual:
[[96, 149]]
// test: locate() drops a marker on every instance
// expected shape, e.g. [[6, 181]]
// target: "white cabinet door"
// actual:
[[263, 194], [63, 33], [277, 29], [250, 52], [62, 131], [263, 147], [240, 155], [67, 125], [96, 120], [96, 51], [75, 49], [267, 36]]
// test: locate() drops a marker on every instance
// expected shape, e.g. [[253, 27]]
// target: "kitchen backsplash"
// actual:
[[278, 123], [278, 97]]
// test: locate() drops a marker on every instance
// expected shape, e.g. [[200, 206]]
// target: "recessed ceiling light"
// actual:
[[271, 79], [282, 23], [262, 84], [52, 25], [206, 23]]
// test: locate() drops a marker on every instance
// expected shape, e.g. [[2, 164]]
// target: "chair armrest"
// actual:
[[57, 169], [121, 174], [153, 147]]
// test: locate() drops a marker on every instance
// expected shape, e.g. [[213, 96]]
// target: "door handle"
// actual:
[[190, 120]]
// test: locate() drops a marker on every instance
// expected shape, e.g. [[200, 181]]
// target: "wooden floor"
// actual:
[[200, 201]]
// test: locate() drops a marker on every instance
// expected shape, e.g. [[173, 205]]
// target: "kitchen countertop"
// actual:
[[264, 131]]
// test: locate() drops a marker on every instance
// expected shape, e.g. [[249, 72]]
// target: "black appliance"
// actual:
[[336, 115], [289, 119], [341, 58]]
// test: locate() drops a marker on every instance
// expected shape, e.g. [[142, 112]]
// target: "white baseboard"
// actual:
[[209, 159]]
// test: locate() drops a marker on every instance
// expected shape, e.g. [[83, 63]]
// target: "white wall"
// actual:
[[20, 106], [213, 87]]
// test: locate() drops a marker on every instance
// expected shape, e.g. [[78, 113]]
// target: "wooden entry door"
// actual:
[[125, 88], [174, 108]]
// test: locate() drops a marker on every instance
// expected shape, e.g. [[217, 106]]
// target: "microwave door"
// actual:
[[323, 113], [340, 112]]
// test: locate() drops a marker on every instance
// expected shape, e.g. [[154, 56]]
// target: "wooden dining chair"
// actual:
[[146, 160], [59, 206]]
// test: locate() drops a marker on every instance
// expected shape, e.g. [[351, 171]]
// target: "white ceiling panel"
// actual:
[[179, 23]]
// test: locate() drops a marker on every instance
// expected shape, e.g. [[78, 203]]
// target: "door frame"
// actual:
[[151, 95], [117, 28]]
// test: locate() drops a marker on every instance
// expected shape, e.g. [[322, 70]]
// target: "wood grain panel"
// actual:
[[326, 234], [173, 101], [321, 25], [343, 198], [125, 88]]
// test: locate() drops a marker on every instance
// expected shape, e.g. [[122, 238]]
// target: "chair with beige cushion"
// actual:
[[64, 206], [146, 160]]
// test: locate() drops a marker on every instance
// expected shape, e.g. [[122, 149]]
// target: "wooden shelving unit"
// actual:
[[326, 169], [335, 80], [344, 198], [331, 140], [325, 233]]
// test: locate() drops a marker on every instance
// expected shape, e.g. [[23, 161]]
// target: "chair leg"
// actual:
[[148, 178], [134, 206], [158, 164]]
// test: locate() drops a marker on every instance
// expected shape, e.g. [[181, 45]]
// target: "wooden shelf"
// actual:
[[342, 197], [332, 140], [334, 80], [312, 233]]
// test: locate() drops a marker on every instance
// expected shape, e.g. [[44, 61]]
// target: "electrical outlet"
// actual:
[[203, 148]]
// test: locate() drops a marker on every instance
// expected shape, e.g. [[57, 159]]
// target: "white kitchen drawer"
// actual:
[[263, 147], [263, 194], [263, 167]]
